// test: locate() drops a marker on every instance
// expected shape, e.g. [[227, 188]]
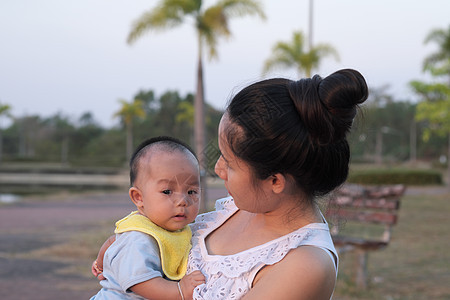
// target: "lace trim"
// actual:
[[222, 210], [240, 263], [237, 264]]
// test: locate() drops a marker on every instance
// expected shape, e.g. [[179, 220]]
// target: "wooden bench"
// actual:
[[361, 220]]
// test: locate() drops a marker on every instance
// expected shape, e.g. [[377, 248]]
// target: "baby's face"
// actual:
[[170, 187]]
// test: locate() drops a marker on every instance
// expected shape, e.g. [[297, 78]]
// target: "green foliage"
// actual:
[[438, 63], [395, 176], [130, 111], [294, 54], [436, 110], [435, 107], [82, 142], [211, 23], [4, 110]]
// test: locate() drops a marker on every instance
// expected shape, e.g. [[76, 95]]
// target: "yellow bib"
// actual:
[[174, 246]]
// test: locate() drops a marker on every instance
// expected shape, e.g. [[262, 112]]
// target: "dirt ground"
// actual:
[[31, 230], [28, 228]]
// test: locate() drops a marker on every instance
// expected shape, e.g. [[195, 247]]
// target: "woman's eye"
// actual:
[[167, 192]]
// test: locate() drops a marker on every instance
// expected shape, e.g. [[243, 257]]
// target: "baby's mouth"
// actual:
[[180, 216]]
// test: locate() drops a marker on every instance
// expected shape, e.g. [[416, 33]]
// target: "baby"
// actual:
[[152, 244]]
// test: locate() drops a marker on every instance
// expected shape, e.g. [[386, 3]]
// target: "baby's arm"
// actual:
[[159, 288]]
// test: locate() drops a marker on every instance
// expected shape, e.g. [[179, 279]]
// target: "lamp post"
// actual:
[[379, 142]]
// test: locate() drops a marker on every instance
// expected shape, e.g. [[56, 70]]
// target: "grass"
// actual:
[[416, 264]]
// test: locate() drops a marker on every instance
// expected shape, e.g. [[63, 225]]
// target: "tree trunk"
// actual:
[[310, 34], [129, 141], [199, 125], [448, 162], [379, 148], [65, 150], [1, 146], [413, 142], [22, 138]]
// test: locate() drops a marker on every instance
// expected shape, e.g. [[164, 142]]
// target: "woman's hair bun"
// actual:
[[327, 106]]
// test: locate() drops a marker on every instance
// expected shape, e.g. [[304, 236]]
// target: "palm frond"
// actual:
[[277, 62], [241, 8], [438, 63], [166, 15], [293, 54], [4, 109], [436, 35]]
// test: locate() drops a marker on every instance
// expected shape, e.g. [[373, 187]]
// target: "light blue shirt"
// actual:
[[133, 258]]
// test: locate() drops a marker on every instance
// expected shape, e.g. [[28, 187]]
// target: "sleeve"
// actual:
[[135, 259]]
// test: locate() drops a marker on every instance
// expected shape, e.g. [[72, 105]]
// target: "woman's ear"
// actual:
[[278, 182], [136, 197]]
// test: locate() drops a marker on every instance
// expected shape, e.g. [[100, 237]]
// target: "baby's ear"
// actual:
[[136, 196]]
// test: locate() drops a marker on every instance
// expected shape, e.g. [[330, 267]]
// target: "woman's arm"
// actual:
[[306, 273], [97, 265], [159, 288]]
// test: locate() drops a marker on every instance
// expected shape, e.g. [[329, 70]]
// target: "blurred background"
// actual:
[[84, 82]]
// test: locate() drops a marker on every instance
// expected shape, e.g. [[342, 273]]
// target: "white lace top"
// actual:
[[231, 276]]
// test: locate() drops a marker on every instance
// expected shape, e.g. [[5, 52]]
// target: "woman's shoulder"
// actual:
[[309, 269], [311, 256]]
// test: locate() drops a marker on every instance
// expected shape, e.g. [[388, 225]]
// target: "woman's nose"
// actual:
[[219, 169]]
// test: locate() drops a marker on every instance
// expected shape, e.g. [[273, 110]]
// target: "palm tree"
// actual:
[[210, 24], [127, 113], [438, 63], [293, 54], [4, 111]]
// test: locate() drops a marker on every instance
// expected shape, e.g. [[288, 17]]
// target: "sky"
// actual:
[[71, 57]]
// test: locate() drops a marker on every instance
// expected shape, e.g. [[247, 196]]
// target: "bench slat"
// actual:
[[375, 217], [360, 202], [360, 243]]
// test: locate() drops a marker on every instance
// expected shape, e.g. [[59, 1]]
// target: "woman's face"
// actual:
[[236, 173]]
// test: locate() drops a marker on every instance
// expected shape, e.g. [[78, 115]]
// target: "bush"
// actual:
[[395, 176]]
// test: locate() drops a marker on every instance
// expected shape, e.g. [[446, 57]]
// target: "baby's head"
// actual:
[[165, 182]]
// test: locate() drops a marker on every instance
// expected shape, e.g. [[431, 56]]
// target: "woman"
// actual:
[[283, 144]]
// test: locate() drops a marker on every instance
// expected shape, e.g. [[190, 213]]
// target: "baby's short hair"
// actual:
[[165, 142]]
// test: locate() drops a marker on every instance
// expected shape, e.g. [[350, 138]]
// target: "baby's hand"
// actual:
[[189, 282]]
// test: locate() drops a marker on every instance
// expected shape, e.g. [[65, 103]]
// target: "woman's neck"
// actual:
[[286, 218]]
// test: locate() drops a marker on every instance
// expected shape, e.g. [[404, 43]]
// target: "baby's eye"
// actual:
[[193, 192], [167, 192]]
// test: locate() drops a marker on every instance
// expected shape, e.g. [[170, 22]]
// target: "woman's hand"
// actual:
[[97, 271], [97, 265]]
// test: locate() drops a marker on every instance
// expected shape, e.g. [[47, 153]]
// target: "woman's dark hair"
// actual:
[[166, 142], [297, 128]]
